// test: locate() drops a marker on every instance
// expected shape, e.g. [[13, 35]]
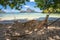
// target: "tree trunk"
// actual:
[[44, 22]]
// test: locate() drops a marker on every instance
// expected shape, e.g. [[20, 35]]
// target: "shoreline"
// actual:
[[28, 16]]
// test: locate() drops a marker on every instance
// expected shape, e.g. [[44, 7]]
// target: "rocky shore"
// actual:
[[29, 31]]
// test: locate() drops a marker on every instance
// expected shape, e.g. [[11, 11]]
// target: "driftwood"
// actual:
[[53, 22]]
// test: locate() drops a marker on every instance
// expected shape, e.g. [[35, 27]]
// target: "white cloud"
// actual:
[[31, 0], [26, 6], [11, 10]]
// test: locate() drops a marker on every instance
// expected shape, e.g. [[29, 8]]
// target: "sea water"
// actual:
[[29, 16]]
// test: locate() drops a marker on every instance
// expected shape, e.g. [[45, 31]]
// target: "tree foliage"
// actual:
[[45, 5], [52, 5], [13, 3]]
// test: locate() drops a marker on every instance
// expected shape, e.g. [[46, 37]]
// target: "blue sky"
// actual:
[[30, 5]]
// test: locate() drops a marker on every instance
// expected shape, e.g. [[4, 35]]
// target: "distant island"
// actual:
[[28, 11]]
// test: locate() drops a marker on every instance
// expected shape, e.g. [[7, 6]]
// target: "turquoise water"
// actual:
[[29, 16]]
